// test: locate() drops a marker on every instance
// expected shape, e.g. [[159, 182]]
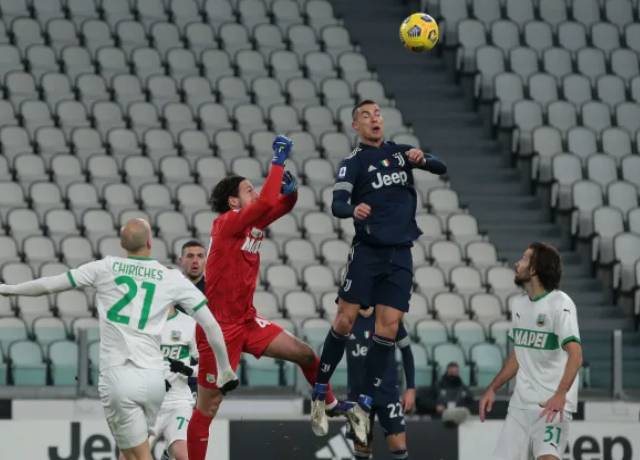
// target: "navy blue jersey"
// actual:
[[358, 344], [382, 178]]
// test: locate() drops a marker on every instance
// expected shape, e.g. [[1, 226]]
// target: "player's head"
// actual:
[[368, 122], [135, 237], [540, 263], [233, 192], [192, 259]]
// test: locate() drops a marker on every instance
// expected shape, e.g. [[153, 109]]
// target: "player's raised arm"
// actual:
[[427, 161], [285, 203], [250, 214], [79, 277], [191, 299]]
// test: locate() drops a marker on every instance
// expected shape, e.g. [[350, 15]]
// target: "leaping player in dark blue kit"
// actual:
[[375, 187], [387, 405]]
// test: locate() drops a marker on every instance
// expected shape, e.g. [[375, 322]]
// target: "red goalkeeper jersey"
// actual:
[[234, 258]]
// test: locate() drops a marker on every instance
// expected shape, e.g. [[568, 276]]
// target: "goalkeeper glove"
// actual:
[[289, 183], [281, 149], [180, 368]]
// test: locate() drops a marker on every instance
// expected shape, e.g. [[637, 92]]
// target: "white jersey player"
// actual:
[[133, 296], [546, 359], [178, 347]]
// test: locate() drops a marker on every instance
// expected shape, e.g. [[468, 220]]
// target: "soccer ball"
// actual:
[[419, 32]]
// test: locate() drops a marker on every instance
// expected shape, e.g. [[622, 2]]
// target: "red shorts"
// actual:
[[253, 336]]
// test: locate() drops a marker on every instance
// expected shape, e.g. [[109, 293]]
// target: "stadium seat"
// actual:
[[468, 333], [430, 281], [88, 323], [12, 330], [487, 361], [418, 310], [626, 250], [71, 304], [27, 364], [587, 196], [423, 368], [607, 222], [445, 353], [431, 333], [63, 356], [299, 305], [48, 329]]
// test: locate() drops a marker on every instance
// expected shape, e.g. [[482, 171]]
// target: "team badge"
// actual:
[[175, 335], [540, 320], [367, 334], [210, 378], [386, 163], [256, 232]]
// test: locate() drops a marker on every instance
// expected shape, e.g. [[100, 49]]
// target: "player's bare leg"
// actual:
[[207, 405], [397, 444], [332, 352], [178, 450], [139, 452]]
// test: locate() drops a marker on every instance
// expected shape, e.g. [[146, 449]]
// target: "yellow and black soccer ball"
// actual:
[[419, 32]]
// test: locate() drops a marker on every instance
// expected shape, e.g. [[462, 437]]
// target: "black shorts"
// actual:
[[388, 408], [378, 275]]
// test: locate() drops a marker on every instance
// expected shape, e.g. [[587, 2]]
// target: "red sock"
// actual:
[[198, 435], [311, 374]]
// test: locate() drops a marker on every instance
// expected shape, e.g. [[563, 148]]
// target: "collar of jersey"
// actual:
[[175, 313], [362, 146], [541, 296], [139, 258]]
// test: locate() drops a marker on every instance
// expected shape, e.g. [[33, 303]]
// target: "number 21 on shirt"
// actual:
[[149, 289]]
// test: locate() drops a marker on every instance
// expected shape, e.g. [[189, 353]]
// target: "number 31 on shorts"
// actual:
[[552, 434]]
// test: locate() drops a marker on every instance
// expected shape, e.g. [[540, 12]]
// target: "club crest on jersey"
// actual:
[[540, 320], [175, 335], [367, 334], [253, 241], [386, 163]]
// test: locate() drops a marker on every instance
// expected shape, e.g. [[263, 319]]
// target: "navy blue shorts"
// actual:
[[388, 408], [378, 275]]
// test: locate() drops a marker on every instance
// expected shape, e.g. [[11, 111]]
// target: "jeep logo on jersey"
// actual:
[[535, 339], [253, 241], [360, 350], [385, 180]]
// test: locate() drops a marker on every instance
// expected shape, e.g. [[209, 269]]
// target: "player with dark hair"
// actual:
[[192, 258], [133, 296], [375, 187], [388, 406], [231, 272], [545, 361]]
